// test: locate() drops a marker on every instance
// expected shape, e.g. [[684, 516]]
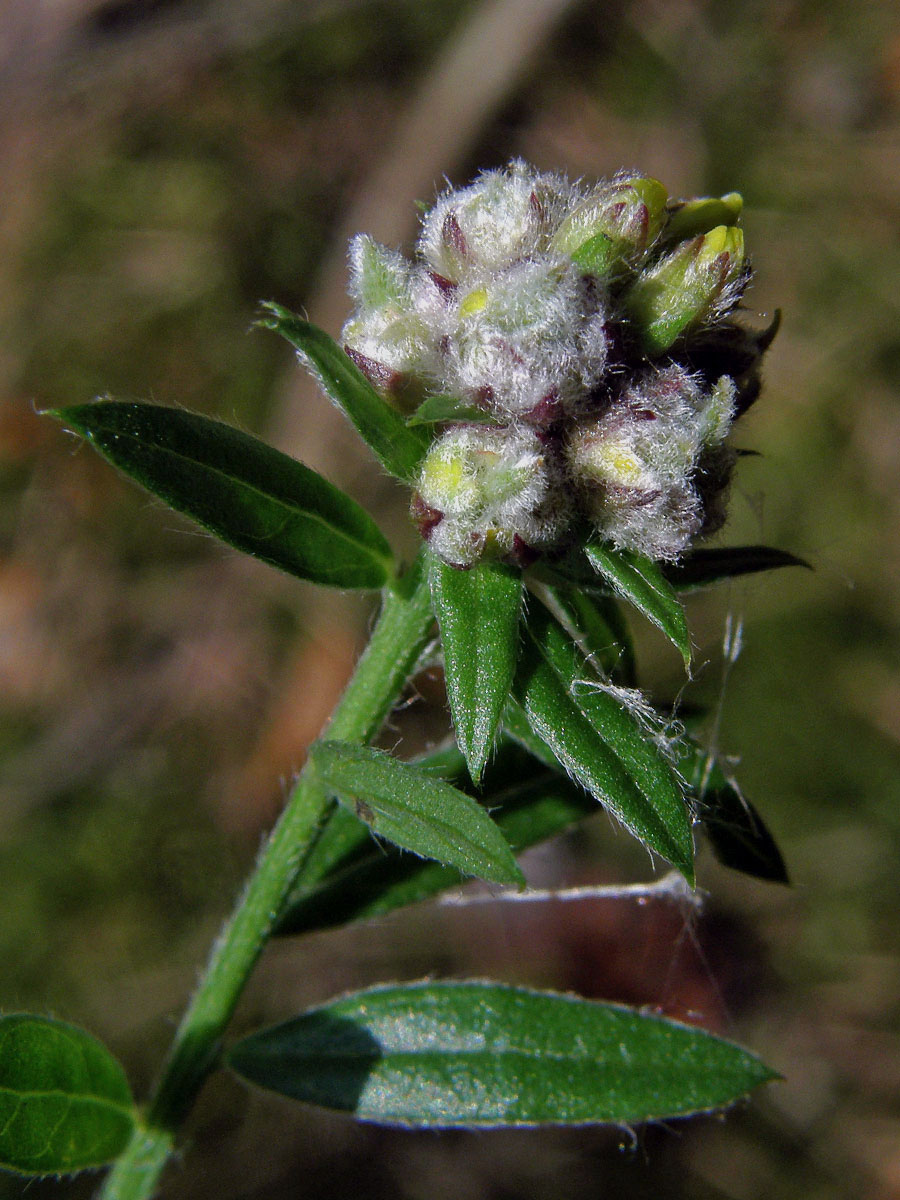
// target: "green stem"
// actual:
[[397, 641]]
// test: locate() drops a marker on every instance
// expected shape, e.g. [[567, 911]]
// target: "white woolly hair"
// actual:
[[377, 274], [660, 527], [530, 505], [534, 335], [400, 342], [504, 216]]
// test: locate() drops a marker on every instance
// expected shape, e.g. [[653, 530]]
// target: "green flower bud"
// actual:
[[612, 230], [687, 218], [699, 281], [488, 493]]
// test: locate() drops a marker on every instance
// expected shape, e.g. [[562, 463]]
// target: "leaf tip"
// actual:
[[682, 859], [272, 316], [475, 769], [687, 870]]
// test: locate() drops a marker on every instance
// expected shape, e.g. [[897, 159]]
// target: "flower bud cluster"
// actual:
[[591, 328]]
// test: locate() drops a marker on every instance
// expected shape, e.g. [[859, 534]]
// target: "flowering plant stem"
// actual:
[[602, 455], [400, 635]]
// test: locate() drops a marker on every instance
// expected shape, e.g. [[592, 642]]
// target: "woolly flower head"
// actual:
[[500, 219], [592, 328]]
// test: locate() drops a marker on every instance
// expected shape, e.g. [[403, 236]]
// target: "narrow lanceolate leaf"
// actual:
[[399, 447], [415, 811], [478, 614], [600, 630], [65, 1104], [517, 726], [482, 1055], [528, 802], [643, 583], [603, 739], [703, 567], [343, 839], [243, 491], [736, 832]]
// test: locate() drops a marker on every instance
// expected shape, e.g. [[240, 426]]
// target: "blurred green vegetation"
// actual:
[[172, 167]]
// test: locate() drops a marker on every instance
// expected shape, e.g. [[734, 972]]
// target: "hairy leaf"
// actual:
[[343, 839], [600, 630], [517, 726], [483, 1055], [251, 496], [65, 1104], [416, 812], [399, 447], [478, 615], [600, 741], [529, 803], [642, 582]]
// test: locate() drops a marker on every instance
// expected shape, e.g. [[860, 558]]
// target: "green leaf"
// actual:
[[642, 582], [251, 496], [65, 1104], [435, 410], [528, 802], [600, 630], [600, 741], [736, 832], [483, 1055], [343, 839], [703, 567], [399, 448], [517, 725], [416, 812], [478, 615]]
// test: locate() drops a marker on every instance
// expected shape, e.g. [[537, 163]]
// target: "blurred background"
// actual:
[[166, 165]]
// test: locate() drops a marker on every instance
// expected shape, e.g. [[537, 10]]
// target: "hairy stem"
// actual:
[[397, 641]]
